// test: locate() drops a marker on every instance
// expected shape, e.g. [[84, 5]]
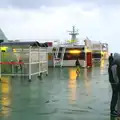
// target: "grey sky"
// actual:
[[50, 19], [34, 4]]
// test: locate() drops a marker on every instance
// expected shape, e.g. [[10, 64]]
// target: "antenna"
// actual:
[[73, 33]]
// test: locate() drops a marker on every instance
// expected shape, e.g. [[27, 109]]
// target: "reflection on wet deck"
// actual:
[[60, 96], [72, 84], [5, 96]]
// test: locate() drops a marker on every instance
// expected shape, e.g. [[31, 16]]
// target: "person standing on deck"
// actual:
[[77, 64], [110, 59], [114, 81], [118, 77]]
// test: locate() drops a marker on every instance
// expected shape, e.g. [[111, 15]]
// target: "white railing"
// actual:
[[24, 62]]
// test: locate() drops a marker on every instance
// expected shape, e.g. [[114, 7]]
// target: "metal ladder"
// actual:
[[58, 61], [56, 52], [62, 56]]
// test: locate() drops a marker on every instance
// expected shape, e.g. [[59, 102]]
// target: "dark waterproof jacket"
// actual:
[[118, 72], [111, 78], [110, 60]]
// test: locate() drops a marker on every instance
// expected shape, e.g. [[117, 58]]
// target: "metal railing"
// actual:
[[24, 62]]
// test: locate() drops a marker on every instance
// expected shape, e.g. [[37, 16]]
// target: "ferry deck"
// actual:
[[59, 96]]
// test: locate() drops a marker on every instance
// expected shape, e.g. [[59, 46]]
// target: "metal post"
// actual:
[[0, 63], [54, 58], [85, 56], [12, 71], [62, 58], [47, 60], [30, 64], [39, 59]]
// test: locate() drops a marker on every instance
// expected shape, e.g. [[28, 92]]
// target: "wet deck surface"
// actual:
[[59, 96]]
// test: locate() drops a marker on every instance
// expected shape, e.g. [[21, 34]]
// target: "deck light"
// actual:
[[74, 51], [4, 48]]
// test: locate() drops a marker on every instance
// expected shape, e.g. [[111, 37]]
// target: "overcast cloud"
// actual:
[[50, 19], [34, 4]]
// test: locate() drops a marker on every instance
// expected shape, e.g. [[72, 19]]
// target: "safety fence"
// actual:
[[23, 61]]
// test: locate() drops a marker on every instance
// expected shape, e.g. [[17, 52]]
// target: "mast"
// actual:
[[73, 34]]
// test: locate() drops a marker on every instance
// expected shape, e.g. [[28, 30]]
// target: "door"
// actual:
[[89, 59]]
